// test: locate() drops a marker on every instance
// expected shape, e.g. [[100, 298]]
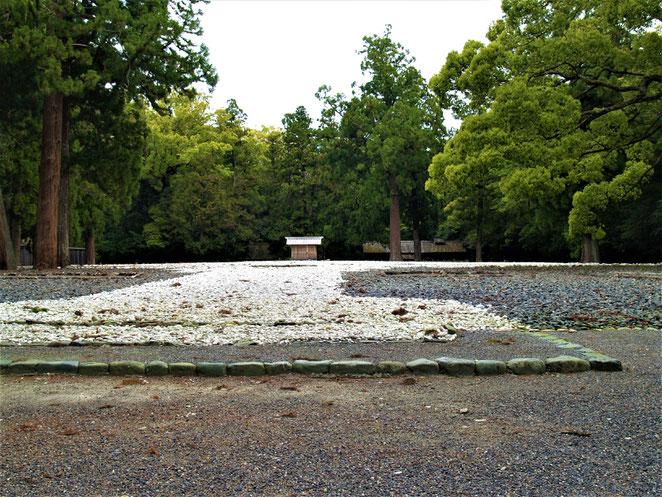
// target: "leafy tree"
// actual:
[[136, 48], [398, 124], [576, 87], [19, 156]]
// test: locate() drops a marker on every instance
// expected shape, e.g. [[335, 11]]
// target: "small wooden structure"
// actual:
[[76, 256], [304, 247], [430, 249]]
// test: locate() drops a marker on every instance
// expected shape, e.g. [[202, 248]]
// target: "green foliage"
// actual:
[[575, 90]]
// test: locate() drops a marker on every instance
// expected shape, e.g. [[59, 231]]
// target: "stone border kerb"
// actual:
[[448, 366]]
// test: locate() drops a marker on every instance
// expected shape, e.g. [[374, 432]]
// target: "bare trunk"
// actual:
[[63, 195], [15, 230], [49, 183], [590, 250], [418, 253], [479, 245], [479, 232], [8, 256], [394, 221], [90, 257]]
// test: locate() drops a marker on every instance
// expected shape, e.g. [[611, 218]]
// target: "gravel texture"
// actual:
[[234, 303], [589, 434], [76, 281], [541, 297]]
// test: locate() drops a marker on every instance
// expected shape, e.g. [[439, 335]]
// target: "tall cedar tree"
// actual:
[[134, 48]]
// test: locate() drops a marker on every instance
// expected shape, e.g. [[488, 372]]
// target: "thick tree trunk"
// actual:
[[8, 255], [15, 230], [479, 244], [418, 253], [90, 256], [63, 194], [479, 232], [49, 183], [590, 250], [394, 221]]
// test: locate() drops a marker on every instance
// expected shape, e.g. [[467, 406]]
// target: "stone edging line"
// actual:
[[449, 366]]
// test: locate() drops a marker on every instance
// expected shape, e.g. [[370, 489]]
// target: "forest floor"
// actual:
[[589, 434]]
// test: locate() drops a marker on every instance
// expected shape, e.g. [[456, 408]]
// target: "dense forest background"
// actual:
[[558, 156]]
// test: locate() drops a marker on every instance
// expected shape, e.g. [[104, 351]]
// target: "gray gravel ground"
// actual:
[[76, 281], [589, 434], [484, 344], [575, 297]]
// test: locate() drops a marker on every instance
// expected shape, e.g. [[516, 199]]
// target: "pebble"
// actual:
[[539, 296], [336, 301]]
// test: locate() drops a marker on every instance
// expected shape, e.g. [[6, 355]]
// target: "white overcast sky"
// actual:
[[273, 55]]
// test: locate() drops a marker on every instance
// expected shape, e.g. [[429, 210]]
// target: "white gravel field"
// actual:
[[224, 303]]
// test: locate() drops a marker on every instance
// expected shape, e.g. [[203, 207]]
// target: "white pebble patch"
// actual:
[[223, 303]]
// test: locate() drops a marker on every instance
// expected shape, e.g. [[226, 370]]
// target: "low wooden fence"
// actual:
[[76, 256]]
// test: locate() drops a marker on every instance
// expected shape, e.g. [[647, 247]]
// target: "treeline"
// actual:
[[557, 157]]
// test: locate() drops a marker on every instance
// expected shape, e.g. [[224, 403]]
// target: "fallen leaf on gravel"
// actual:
[[134, 381], [290, 388], [288, 415], [399, 312], [422, 306], [329, 403], [225, 311], [223, 387], [357, 356], [70, 432], [408, 381], [176, 284], [576, 433], [106, 406], [155, 397]]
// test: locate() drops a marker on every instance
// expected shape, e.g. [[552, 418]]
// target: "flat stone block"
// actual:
[[391, 367], [93, 368], [280, 367], [423, 366], [156, 368], [123, 368], [181, 368], [353, 367], [605, 364], [526, 365], [70, 367], [570, 346], [212, 368], [23, 367], [567, 364], [490, 368], [456, 367], [302, 366], [4, 364], [246, 369]]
